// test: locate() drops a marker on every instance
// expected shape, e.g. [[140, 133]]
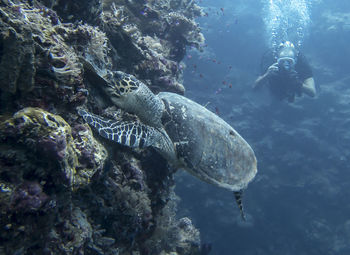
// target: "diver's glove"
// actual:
[[273, 69]]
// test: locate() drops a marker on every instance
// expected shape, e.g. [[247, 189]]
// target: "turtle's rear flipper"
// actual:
[[238, 197], [131, 133]]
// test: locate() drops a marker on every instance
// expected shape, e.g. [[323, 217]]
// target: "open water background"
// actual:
[[299, 201]]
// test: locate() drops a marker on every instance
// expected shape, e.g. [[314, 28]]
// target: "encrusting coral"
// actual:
[[43, 160], [75, 158]]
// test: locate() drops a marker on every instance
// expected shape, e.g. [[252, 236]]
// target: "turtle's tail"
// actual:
[[238, 197]]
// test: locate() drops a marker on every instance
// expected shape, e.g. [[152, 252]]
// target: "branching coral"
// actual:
[[182, 27]]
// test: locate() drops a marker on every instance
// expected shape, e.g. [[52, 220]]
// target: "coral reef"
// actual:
[[39, 60], [61, 190]]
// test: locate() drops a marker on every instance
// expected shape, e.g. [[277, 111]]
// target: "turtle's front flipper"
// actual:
[[238, 197], [131, 133]]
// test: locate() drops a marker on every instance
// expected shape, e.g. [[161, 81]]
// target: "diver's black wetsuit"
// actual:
[[285, 85]]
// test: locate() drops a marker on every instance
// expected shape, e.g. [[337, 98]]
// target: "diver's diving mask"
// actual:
[[286, 57], [287, 63]]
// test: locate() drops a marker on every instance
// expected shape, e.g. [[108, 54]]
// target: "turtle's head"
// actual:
[[119, 75], [119, 86], [133, 96], [124, 83]]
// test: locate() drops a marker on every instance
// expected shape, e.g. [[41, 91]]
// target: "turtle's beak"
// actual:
[[119, 75]]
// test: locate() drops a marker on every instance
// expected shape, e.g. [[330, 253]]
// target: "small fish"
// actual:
[[144, 12], [230, 85], [194, 66], [224, 82], [217, 111], [230, 67], [201, 75], [214, 60], [218, 91], [222, 9], [189, 56]]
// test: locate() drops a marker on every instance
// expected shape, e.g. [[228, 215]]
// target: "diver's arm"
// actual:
[[259, 82], [308, 87]]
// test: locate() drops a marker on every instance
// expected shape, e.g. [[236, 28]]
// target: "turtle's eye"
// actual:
[[232, 133]]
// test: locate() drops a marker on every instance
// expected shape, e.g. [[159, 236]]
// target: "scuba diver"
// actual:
[[288, 74]]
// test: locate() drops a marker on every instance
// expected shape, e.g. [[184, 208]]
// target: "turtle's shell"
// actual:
[[206, 145]]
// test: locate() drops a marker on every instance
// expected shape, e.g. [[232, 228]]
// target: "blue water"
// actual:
[[299, 201]]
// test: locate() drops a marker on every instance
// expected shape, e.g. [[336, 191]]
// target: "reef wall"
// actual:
[[63, 191]]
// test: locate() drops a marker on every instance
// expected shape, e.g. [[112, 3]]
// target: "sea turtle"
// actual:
[[187, 134]]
